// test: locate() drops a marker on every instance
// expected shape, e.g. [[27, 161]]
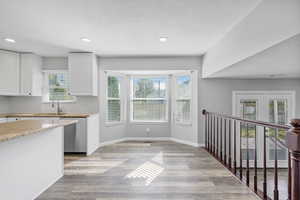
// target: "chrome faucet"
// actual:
[[59, 109]]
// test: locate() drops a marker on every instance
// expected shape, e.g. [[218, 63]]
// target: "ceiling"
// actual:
[[279, 61], [118, 27]]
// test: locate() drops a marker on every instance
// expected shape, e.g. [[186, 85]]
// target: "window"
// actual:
[[113, 99], [149, 99], [270, 106], [56, 87], [183, 95]]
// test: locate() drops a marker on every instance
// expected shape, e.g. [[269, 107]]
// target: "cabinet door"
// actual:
[[12, 119], [3, 120], [31, 75], [9, 73], [83, 74]]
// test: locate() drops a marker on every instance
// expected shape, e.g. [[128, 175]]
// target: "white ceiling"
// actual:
[[270, 23], [118, 27], [279, 61]]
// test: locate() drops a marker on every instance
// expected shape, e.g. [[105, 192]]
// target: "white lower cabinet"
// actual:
[[3, 120], [12, 119], [82, 137]]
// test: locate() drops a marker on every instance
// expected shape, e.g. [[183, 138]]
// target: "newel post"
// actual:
[[293, 143]]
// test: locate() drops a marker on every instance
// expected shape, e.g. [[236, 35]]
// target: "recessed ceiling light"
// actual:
[[10, 40], [85, 39], [163, 39]]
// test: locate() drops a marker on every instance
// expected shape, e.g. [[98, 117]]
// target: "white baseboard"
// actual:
[[185, 142], [111, 142], [150, 139], [147, 138], [202, 145]]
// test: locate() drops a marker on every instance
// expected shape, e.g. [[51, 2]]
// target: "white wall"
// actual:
[[150, 63], [141, 63], [35, 105], [271, 22], [281, 60], [215, 95], [55, 63], [4, 104]]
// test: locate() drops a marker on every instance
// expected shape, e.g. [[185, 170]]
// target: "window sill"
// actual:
[[54, 102], [184, 124], [110, 124], [149, 122]]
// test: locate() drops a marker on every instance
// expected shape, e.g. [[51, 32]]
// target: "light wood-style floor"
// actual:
[[144, 171]]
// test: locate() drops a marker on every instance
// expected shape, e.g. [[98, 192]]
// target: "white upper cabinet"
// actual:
[[83, 71], [9, 73], [31, 75]]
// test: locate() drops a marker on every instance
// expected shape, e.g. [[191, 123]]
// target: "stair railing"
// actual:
[[223, 140]]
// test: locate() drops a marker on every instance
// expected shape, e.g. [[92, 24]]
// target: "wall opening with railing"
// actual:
[[271, 166]]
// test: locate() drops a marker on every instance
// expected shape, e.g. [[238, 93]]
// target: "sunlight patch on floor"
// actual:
[[148, 171]]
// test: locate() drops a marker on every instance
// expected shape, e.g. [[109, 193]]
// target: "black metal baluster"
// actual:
[[221, 140], [289, 177], [209, 133], [247, 140], [234, 146], [276, 168], [225, 141], [205, 125], [255, 162], [265, 164], [218, 137], [241, 152], [229, 138], [214, 141]]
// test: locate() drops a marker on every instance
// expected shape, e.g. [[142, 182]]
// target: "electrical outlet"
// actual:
[[148, 131]]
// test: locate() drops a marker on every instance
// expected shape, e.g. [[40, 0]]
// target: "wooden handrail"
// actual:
[[219, 126], [293, 143], [249, 121]]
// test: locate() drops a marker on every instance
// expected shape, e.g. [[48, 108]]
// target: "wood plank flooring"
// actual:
[[146, 170], [282, 181]]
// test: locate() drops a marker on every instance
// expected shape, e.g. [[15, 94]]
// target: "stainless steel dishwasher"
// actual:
[[75, 136]]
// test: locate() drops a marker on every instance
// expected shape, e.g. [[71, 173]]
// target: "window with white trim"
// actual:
[[183, 97], [113, 97], [56, 87], [149, 99]]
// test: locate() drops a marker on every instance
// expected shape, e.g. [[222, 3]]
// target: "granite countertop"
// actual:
[[62, 115], [11, 130]]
